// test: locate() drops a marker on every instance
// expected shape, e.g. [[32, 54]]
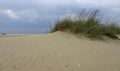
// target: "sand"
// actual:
[[58, 52]]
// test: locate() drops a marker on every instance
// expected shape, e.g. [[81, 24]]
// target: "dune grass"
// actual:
[[88, 24]]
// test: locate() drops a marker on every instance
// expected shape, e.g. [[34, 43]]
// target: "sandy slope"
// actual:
[[58, 52]]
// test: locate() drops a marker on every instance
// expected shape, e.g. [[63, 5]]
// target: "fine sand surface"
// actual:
[[58, 52]]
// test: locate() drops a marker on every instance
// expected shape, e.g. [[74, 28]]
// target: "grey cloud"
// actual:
[[40, 14]]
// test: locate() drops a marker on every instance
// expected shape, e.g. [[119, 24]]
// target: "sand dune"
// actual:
[[58, 52]]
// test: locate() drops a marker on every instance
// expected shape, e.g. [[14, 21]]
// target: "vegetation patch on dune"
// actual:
[[88, 24]]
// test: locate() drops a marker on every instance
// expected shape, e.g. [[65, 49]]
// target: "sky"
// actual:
[[37, 16]]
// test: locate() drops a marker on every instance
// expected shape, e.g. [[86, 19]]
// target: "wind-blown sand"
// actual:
[[58, 52]]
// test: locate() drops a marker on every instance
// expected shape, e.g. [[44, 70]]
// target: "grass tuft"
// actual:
[[89, 24]]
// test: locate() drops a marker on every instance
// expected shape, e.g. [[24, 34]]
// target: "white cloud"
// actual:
[[26, 15], [10, 13]]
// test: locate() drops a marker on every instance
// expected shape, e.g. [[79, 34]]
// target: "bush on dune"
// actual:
[[89, 24]]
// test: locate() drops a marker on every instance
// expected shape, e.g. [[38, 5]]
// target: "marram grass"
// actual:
[[88, 24]]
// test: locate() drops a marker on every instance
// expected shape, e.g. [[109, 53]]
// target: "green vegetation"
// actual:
[[88, 24]]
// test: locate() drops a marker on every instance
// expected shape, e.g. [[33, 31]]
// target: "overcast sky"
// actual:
[[36, 16]]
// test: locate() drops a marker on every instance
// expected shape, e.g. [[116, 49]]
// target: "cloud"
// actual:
[[38, 13], [94, 2], [99, 3], [116, 9], [23, 15], [54, 1], [78, 2], [10, 13], [27, 15]]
